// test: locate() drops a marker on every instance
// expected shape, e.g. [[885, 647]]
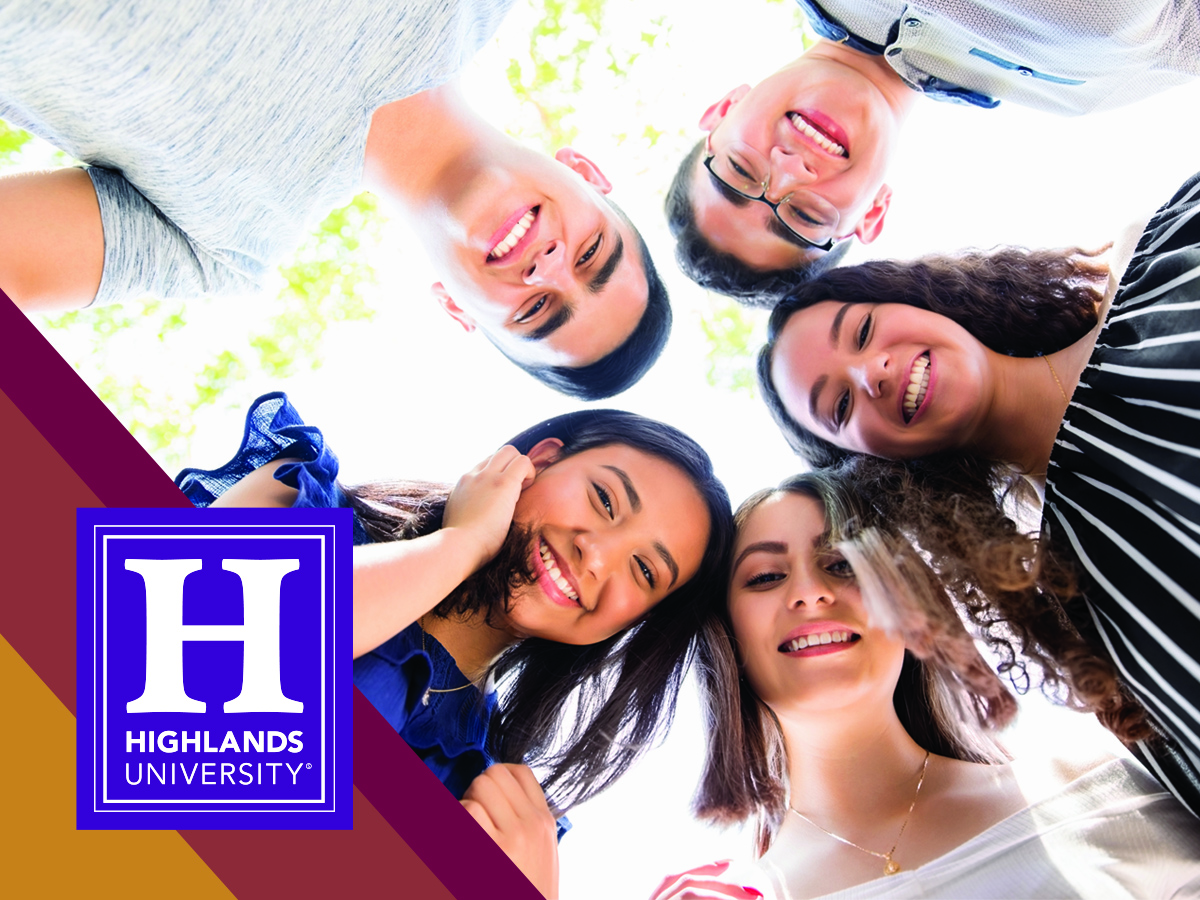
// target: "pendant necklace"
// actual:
[[433, 690], [890, 866]]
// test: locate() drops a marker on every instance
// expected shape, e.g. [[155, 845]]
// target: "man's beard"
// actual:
[[491, 588]]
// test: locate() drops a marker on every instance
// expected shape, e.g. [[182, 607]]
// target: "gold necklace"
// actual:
[[890, 866], [433, 690], [1061, 390]]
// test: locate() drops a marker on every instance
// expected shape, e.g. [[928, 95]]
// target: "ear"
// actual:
[[453, 310], [872, 221], [585, 168], [714, 114], [544, 452]]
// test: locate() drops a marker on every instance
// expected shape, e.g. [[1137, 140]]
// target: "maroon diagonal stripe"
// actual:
[[83, 431], [458, 851], [64, 449]]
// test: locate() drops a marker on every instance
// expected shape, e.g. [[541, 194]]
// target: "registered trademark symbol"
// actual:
[[308, 765]]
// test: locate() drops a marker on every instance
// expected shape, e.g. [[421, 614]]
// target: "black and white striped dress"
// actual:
[[1123, 488]]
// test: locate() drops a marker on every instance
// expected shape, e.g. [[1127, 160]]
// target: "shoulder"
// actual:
[[1040, 777], [260, 488]]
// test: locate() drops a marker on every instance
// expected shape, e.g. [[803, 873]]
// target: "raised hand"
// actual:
[[509, 805], [481, 505]]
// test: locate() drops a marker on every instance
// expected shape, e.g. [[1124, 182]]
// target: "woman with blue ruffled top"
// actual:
[[543, 607]]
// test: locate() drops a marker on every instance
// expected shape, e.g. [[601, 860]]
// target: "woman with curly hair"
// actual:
[[542, 612], [850, 719], [985, 366]]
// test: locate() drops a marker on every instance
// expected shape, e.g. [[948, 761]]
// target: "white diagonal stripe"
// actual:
[[1149, 374], [1181, 410], [1179, 220], [1185, 449], [1174, 482], [1146, 623], [1158, 773], [1154, 292], [1164, 340]]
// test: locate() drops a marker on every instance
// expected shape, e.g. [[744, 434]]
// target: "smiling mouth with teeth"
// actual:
[[815, 640], [554, 573], [918, 384], [511, 239], [822, 140]]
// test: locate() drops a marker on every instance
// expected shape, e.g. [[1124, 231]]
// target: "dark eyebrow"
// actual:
[[778, 229], [815, 395], [763, 546], [669, 560], [835, 330], [601, 278], [635, 503], [556, 321], [634, 500], [727, 192]]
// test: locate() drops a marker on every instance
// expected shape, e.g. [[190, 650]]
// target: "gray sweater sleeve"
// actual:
[[146, 253], [219, 134]]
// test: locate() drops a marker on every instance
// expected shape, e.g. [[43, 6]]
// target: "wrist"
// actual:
[[465, 553]]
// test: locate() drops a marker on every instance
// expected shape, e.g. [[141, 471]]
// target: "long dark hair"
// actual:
[[946, 697], [1014, 301], [585, 713]]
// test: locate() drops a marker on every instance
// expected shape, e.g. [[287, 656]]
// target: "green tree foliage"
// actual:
[[324, 284], [11, 141], [732, 331], [570, 47]]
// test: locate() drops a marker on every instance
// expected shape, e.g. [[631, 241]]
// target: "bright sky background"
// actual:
[[410, 395]]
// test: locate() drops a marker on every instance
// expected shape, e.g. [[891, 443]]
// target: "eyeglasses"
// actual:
[[808, 216]]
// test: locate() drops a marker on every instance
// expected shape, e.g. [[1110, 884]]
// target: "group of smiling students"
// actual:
[[541, 614]]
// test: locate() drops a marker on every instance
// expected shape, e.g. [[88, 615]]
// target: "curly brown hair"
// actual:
[[1014, 301], [938, 544], [1015, 590]]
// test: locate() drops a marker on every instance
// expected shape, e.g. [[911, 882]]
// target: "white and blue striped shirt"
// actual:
[[1063, 56]]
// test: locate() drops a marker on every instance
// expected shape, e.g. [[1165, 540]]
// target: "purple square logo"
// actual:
[[215, 668]]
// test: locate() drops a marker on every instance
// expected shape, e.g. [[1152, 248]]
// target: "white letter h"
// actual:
[[262, 690]]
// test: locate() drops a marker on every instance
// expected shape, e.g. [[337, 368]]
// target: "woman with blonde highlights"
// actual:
[[851, 718]]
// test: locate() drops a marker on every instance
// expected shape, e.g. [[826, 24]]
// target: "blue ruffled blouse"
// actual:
[[447, 730]]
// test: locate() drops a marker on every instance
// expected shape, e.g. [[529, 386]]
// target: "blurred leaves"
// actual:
[[325, 280], [569, 46], [11, 141], [730, 331]]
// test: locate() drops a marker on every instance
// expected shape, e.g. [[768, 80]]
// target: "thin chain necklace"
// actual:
[[433, 690], [1061, 390], [890, 866]]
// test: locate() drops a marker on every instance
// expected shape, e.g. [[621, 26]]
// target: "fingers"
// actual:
[[715, 868], [480, 508], [518, 467], [509, 805], [510, 796], [527, 782], [480, 814], [701, 883], [691, 889]]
